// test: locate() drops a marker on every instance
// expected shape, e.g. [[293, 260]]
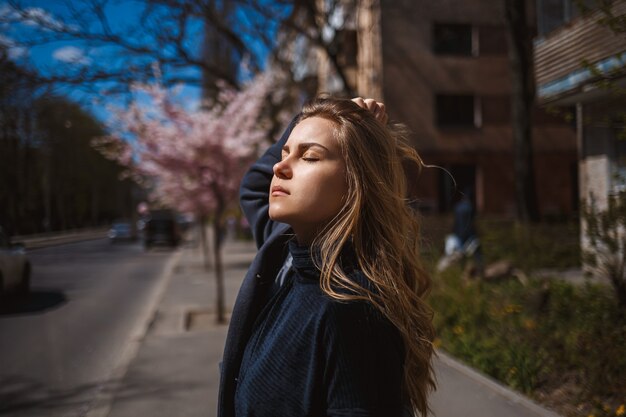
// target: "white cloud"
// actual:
[[6, 42], [18, 52], [36, 16], [32, 16], [14, 51], [72, 55], [7, 12]]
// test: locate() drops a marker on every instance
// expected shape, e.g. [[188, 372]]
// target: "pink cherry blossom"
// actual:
[[195, 159]]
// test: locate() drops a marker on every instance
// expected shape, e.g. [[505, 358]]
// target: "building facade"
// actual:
[[442, 68]]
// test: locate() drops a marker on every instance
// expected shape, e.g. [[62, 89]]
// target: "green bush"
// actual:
[[606, 237], [530, 337], [544, 245]]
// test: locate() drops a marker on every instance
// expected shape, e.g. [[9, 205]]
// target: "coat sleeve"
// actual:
[[364, 361], [254, 190]]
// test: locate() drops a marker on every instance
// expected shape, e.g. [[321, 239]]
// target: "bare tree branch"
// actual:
[[171, 33]]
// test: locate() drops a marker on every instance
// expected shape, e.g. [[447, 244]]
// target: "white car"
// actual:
[[14, 267]]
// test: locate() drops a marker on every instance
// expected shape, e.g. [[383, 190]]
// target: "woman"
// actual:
[[330, 319]]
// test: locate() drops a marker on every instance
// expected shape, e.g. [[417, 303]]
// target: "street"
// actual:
[[59, 347]]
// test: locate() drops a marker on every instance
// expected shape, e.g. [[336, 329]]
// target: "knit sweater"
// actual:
[[311, 355]]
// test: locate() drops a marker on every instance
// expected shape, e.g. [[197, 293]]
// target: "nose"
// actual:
[[282, 169]]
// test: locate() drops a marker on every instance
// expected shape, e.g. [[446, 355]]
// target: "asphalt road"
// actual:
[[58, 348]]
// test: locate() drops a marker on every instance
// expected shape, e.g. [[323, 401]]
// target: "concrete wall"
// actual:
[[599, 155]]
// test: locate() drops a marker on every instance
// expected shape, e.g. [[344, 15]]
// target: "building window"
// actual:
[[454, 39], [457, 110], [551, 14]]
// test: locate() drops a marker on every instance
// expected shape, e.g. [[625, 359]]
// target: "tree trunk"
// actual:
[[47, 193], [205, 243], [219, 269], [519, 36], [620, 290], [617, 275]]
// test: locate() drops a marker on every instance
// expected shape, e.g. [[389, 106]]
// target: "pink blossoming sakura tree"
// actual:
[[194, 159]]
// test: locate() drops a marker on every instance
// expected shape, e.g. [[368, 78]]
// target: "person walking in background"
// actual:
[[464, 227], [330, 319], [463, 243]]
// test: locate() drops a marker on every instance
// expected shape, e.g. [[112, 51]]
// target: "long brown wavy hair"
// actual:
[[384, 231]]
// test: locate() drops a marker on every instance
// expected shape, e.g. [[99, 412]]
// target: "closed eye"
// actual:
[[310, 156]]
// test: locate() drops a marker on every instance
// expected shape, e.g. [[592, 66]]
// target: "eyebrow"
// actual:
[[307, 145]]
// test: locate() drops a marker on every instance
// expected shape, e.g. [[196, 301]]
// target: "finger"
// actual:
[[382, 113], [360, 102], [377, 108], [371, 105]]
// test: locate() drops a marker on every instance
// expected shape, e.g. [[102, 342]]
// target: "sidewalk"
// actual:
[[175, 372]]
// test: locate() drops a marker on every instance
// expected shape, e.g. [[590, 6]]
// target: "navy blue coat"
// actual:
[[271, 238]]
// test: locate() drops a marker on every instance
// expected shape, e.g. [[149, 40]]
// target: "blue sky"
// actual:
[[123, 16]]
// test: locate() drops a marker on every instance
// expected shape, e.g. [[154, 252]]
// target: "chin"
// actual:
[[276, 215]]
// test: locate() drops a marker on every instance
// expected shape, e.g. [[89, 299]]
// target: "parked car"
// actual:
[[161, 231], [121, 231], [14, 267]]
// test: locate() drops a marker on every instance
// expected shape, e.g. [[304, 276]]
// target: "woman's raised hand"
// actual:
[[376, 107]]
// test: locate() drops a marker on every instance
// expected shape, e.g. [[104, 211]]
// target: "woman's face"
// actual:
[[309, 183]]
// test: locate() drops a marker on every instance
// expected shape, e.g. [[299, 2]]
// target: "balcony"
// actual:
[[569, 59]]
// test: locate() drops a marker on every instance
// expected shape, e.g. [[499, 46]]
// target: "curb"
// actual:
[[31, 243], [101, 404], [495, 386]]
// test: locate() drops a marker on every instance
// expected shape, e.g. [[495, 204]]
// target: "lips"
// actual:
[[277, 191]]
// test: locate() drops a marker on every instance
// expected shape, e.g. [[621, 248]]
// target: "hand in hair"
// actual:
[[376, 107]]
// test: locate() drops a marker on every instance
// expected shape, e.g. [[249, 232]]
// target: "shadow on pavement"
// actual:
[[25, 396], [35, 302], [20, 396]]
